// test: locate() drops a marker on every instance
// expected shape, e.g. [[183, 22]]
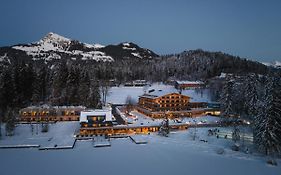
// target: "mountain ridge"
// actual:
[[127, 59], [54, 46]]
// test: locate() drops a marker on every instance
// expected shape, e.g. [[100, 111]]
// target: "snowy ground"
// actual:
[[60, 134], [176, 154], [138, 119], [118, 95]]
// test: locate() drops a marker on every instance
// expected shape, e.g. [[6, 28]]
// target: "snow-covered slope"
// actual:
[[55, 47], [129, 50], [275, 64]]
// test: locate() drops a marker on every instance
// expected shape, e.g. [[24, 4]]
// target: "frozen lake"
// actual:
[[176, 154]]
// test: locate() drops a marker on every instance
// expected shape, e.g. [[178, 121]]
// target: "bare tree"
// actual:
[[104, 87], [145, 88], [129, 104], [195, 130], [11, 121]]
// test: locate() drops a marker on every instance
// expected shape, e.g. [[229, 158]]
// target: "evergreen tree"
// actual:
[[251, 95], [268, 127], [22, 74], [164, 129], [72, 83], [7, 90], [36, 87], [227, 98], [59, 76], [84, 88]]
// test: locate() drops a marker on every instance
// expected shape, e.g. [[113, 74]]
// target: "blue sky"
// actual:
[[246, 28]]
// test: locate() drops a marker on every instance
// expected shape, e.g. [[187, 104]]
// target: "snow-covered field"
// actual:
[[60, 134], [118, 95], [176, 154]]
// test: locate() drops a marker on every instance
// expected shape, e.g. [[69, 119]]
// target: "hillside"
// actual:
[[63, 71]]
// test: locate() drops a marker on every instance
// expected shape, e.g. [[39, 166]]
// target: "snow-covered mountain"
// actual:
[[55, 47], [275, 64]]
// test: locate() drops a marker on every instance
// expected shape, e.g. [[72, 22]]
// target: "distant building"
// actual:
[[51, 113], [159, 104], [140, 83], [96, 118], [137, 83], [188, 84]]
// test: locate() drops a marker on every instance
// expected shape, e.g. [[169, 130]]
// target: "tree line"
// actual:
[[256, 98], [25, 82]]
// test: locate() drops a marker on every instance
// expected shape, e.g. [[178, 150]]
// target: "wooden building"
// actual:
[[159, 104], [50, 113], [188, 84]]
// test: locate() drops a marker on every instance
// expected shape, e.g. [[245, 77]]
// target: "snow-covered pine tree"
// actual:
[[253, 92], [268, 127], [251, 95], [164, 127], [227, 98]]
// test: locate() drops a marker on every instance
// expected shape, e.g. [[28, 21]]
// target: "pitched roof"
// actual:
[[190, 82], [158, 93], [194, 96]]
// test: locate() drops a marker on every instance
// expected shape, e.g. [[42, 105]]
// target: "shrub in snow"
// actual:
[[272, 162], [235, 147], [164, 128], [45, 127]]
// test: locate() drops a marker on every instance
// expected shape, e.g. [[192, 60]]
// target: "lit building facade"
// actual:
[[96, 118], [50, 113], [158, 104], [188, 84]]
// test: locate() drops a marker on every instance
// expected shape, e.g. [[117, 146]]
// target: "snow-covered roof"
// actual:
[[154, 93], [190, 82], [45, 106], [96, 112]]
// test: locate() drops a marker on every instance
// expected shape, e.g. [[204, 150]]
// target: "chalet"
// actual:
[[140, 82], [188, 84], [159, 104], [96, 118], [50, 113]]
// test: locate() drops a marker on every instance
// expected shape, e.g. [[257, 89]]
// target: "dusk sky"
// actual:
[[245, 28]]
